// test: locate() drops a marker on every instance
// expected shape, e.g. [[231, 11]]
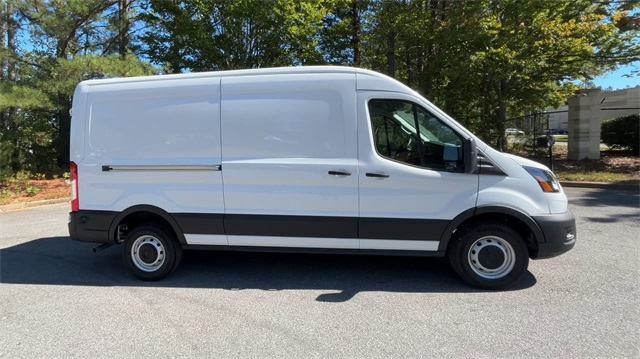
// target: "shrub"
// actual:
[[622, 133], [33, 190]]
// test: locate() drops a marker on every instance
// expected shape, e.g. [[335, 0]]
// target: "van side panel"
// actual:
[[154, 145], [285, 142]]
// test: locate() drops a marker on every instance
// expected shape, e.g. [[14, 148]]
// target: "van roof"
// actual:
[[235, 73]]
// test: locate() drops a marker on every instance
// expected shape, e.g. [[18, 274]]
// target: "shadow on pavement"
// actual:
[[608, 197], [614, 218], [61, 261]]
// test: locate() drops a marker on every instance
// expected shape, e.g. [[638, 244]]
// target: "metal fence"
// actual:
[[526, 133]]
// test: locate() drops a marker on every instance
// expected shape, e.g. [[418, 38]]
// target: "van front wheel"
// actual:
[[489, 256], [151, 252]]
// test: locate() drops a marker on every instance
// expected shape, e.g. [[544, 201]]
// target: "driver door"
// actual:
[[411, 173]]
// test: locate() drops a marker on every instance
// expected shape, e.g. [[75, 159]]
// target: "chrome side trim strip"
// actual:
[[108, 168]]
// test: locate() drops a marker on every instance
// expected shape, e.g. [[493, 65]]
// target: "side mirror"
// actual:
[[470, 156]]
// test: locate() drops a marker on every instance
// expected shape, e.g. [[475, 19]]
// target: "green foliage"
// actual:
[[7, 193], [5, 158], [33, 190], [343, 32], [198, 35], [622, 133], [23, 177], [13, 94], [19, 183]]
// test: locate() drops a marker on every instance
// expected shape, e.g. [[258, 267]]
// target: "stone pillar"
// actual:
[[584, 125]]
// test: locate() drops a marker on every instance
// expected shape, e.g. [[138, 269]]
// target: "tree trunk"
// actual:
[[10, 114], [3, 22], [123, 27], [11, 41], [392, 54], [355, 33], [502, 114], [3, 25], [64, 126]]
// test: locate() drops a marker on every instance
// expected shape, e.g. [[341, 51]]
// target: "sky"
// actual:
[[617, 80]]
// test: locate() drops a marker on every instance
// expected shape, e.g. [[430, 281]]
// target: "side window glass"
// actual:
[[404, 132], [394, 136]]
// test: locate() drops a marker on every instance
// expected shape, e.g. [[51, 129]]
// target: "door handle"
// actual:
[[339, 173], [377, 175]]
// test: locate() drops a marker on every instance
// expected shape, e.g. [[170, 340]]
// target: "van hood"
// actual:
[[526, 162]]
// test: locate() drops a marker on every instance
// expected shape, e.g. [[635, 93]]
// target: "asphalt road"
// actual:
[[57, 299]]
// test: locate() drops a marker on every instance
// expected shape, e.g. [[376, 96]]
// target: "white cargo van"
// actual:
[[311, 159]]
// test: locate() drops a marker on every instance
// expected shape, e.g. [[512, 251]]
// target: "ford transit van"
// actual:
[[308, 159]]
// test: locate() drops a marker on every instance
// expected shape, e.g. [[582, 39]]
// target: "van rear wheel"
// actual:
[[151, 252], [489, 256]]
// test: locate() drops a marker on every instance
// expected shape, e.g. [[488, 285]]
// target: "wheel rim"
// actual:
[[148, 253], [491, 257]]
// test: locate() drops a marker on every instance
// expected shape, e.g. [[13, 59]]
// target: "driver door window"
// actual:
[[405, 132]]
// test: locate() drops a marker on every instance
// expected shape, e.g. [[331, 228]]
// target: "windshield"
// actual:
[[405, 119]]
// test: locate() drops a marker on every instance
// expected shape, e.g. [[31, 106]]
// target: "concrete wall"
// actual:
[[584, 125], [587, 110]]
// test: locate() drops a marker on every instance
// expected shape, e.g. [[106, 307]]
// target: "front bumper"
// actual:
[[559, 234]]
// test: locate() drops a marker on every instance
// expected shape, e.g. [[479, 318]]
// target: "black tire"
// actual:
[[498, 260], [151, 252]]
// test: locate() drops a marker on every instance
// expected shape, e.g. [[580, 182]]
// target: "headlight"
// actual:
[[545, 179]]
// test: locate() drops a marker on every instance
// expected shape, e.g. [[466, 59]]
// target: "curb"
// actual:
[[627, 186], [22, 205]]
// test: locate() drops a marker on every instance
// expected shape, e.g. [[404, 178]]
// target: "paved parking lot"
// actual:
[[57, 299]]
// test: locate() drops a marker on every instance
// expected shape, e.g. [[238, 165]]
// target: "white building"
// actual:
[[559, 118], [614, 104]]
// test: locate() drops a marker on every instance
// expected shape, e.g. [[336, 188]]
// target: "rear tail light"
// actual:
[[75, 203]]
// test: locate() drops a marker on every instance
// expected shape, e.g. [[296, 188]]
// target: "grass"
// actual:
[[593, 176], [613, 166]]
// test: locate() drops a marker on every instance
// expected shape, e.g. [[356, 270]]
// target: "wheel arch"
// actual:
[[139, 214], [516, 219]]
